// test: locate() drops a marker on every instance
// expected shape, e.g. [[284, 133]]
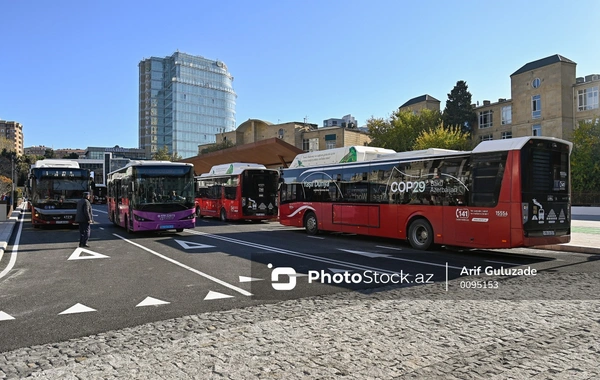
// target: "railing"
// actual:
[[585, 199]]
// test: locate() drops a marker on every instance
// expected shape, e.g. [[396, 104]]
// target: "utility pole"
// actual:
[[12, 194]]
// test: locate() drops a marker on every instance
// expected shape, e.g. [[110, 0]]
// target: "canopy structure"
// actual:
[[273, 153]]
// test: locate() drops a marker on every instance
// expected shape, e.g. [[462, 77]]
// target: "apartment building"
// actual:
[[547, 99], [12, 131]]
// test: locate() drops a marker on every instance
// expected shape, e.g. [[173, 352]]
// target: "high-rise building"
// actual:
[[12, 131], [185, 101]]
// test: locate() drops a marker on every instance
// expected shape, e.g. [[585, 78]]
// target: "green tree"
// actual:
[[163, 155], [402, 129], [49, 153], [443, 138], [585, 158], [459, 109], [5, 185], [220, 146]]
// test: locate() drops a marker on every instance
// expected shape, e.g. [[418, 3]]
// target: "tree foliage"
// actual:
[[401, 130], [163, 155], [5, 185], [459, 108], [443, 138], [585, 158], [219, 146]]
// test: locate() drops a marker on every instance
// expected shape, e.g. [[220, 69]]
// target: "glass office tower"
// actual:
[[184, 101]]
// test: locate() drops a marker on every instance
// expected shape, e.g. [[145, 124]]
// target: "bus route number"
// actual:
[[462, 213]]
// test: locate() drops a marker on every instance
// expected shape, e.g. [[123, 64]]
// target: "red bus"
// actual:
[[503, 194], [237, 191], [152, 196]]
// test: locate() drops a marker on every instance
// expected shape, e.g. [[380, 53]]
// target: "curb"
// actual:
[[569, 248]]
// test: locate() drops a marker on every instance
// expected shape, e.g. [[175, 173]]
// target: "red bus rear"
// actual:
[[503, 194], [237, 191]]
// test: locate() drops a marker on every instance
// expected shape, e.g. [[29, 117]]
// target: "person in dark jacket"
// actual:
[[85, 218]]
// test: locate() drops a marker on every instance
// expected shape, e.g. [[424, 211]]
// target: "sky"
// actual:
[[69, 68]]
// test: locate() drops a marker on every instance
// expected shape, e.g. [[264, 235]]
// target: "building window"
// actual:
[[280, 133], [486, 138], [536, 107], [506, 115], [330, 141], [506, 135], [536, 130], [305, 145], [587, 99], [536, 83], [485, 119]]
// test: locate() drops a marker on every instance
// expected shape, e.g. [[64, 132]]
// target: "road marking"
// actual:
[[5, 317], [249, 279], [501, 262], [336, 270], [150, 301], [76, 255], [384, 247], [379, 255], [192, 244], [15, 250], [290, 253], [207, 276], [315, 237], [77, 308], [216, 296]]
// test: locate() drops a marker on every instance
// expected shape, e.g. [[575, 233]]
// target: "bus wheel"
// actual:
[[420, 234], [179, 230], [223, 215], [310, 223]]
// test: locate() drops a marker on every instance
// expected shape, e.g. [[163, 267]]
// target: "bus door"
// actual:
[[352, 213]]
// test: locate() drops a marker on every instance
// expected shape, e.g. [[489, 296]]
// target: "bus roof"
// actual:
[[151, 163], [55, 163], [232, 168], [516, 143], [357, 153]]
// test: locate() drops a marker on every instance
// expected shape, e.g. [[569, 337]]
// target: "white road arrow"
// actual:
[[215, 296], [77, 308], [249, 279], [192, 244], [5, 317], [150, 301], [76, 255]]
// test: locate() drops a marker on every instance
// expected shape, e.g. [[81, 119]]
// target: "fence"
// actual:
[[585, 199]]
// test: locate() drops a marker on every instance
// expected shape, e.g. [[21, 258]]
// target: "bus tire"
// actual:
[[223, 215], [310, 223], [420, 234], [179, 229]]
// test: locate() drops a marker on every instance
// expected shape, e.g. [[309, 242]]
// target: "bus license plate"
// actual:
[[167, 226], [62, 222]]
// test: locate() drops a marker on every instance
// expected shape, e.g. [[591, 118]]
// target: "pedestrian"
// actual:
[[85, 218]]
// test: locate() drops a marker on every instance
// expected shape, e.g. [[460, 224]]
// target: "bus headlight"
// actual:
[[140, 219]]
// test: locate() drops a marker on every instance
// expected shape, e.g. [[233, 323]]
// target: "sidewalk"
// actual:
[[6, 227]]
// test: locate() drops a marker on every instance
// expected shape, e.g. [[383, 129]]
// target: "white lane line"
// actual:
[[501, 262], [102, 211], [207, 276], [291, 253], [15, 250], [385, 247]]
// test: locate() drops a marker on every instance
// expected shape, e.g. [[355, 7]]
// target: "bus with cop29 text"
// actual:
[[502, 194], [152, 196], [54, 188], [237, 191]]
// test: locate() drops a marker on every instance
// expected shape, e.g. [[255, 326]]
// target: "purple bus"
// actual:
[[152, 196]]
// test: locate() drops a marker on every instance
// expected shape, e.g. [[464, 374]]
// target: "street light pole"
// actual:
[[12, 194]]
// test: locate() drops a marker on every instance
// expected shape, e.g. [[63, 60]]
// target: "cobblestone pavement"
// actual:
[[528, 328]]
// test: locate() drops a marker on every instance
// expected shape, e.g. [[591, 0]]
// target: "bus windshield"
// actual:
[[153, 185], [58, 186]]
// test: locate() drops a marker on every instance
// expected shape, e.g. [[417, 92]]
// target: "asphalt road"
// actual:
[[57, 291]]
